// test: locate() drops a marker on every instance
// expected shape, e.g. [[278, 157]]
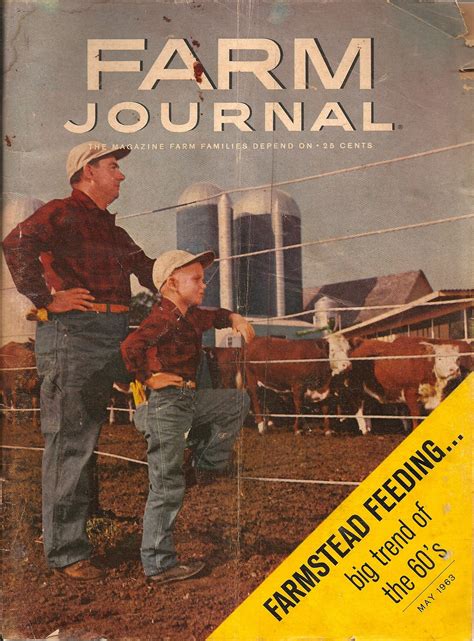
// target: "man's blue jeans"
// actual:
[[70, 348], [213, 418]]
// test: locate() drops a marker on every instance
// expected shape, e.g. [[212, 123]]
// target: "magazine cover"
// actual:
[[237, 316]]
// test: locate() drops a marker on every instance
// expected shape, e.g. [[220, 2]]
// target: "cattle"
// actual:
[[226, 372], [16, 381], [323, 358], [465, 360], [419, 383], [225, 366], [345, 400], [121, 398]]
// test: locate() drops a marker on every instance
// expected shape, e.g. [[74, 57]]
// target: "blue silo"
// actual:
[[205, 223], [268, 284]]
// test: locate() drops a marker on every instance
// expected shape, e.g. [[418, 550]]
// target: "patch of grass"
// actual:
[[102, 532]]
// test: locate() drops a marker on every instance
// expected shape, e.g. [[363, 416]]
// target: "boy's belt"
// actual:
[[183, 385], [187, 385]]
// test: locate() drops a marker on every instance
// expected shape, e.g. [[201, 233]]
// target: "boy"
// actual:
[[164, 352]]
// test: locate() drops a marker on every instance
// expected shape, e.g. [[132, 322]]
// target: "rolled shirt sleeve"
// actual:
[[208, 317]]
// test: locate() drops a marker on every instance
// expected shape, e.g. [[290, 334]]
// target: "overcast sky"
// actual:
[[416, 86]]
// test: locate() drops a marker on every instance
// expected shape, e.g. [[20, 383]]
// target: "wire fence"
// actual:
[[241, 476], [318, 242], [325, 359], [303, 179]]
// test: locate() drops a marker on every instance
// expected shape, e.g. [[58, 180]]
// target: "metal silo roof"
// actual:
[[263, 201], [199, 191]]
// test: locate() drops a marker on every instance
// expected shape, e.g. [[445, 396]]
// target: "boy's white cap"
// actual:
[[168, 262], [81, 154]]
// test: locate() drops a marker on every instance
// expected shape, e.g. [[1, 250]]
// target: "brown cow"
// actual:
[[226, 372], [416, 382], [225, 366], [311, 378], [14, 380]]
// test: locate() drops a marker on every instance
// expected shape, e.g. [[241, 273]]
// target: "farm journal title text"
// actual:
[[311, 72]]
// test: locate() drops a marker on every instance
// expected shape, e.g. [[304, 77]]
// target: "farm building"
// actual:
[[364, 298], [446, 314], [378, 307]]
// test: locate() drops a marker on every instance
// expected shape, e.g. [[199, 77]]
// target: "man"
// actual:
[[86, 321], [164, 352]]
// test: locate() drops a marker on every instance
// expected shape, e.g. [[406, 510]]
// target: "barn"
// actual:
[[444, 314], [350, 302], [385, 306]]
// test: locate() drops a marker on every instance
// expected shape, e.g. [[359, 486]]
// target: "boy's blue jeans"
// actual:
[[213, 418]]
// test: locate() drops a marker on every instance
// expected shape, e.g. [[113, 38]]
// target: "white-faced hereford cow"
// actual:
[[270, 362], [418, 382]]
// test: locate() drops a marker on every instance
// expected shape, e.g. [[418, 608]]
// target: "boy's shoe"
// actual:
[[207, 477], [178, 572], [82, 570]]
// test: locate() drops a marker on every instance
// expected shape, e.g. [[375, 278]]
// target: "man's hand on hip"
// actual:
[[69, 299], [163, 379]]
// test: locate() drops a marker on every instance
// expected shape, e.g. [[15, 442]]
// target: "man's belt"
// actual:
[[102, 308], [41, 314]]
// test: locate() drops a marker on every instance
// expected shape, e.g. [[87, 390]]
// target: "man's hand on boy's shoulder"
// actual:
[[239, 324], [163, 379]]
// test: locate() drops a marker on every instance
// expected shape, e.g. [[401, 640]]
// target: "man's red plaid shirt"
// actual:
[[87, 250]]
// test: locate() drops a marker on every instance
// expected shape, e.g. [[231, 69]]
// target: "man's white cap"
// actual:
[[168, 262], [80, 155]]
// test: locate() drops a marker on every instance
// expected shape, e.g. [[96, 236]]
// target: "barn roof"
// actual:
[[393, 289], [414, 312]]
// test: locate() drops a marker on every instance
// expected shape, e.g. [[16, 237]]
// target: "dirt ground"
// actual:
[[242, 528]]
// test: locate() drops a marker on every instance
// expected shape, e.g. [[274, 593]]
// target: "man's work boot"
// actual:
[[82, 570], [207, 477]]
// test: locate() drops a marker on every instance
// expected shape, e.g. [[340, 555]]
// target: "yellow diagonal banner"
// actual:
[[393, 561]]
